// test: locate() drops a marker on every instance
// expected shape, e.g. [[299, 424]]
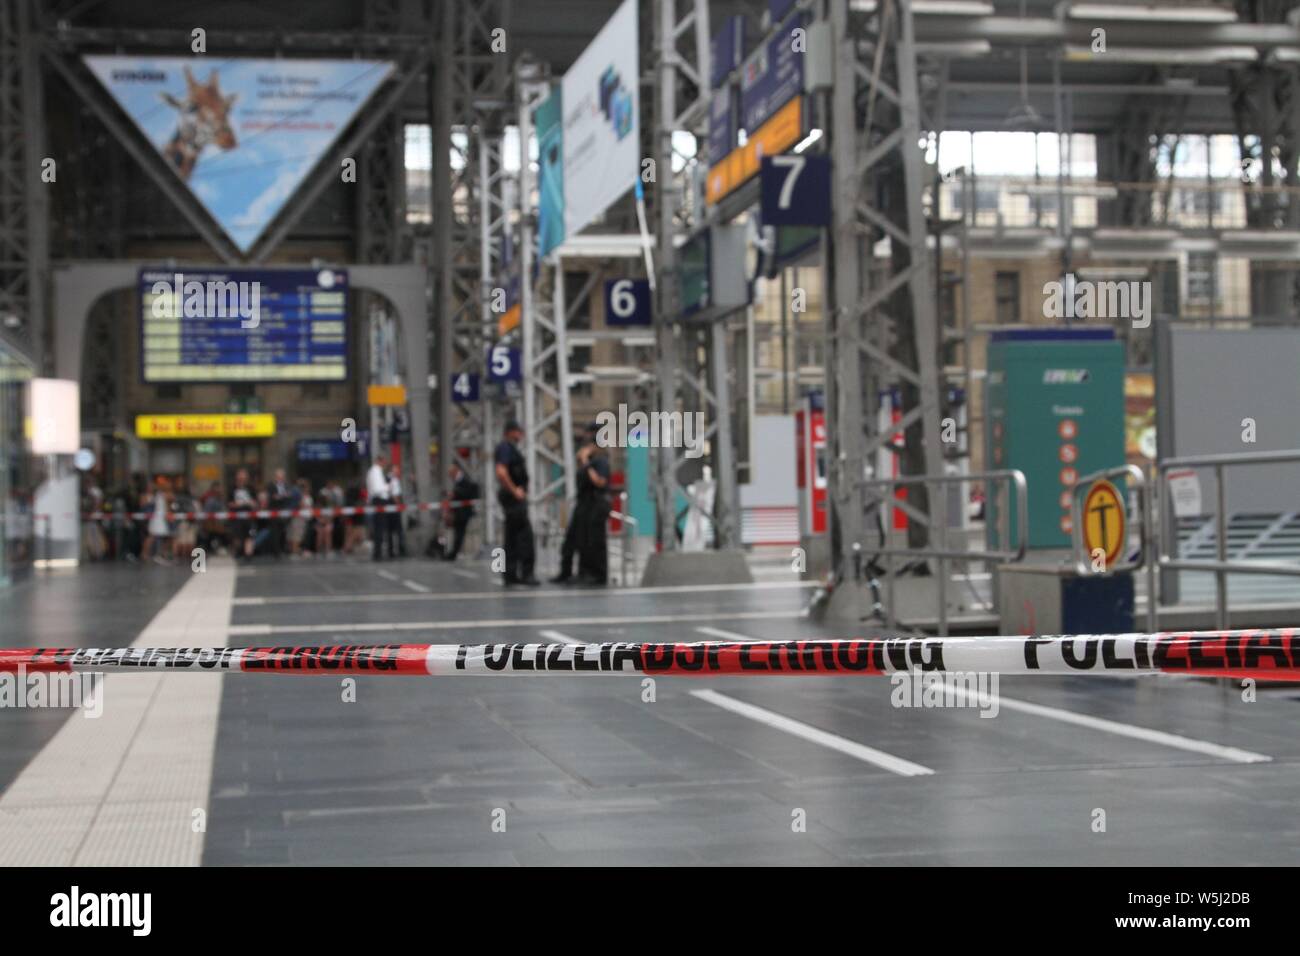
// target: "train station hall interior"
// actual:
[[649, 433]]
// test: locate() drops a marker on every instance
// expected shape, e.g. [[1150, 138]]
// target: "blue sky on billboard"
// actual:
[[243, 134]]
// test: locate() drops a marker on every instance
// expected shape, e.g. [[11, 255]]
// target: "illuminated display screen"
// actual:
[[244, 325]]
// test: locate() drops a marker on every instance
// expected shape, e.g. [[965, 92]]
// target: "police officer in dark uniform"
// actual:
[[577, 519], [464, 493], [512, 493], [593, 554]]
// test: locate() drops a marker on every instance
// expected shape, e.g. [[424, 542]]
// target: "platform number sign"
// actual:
[[627, 302], [503, 364], [464, 387], [796, 190]]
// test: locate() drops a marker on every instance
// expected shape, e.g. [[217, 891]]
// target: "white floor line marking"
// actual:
[[388, 575], [566, 593], [415, 587], [727, 635], [461, 572], [878, 758], [121, 789], [1096, 723], [247, 630], [1128, 730], [562, 638]]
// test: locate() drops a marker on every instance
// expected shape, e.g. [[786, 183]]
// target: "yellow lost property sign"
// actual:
[[1104, 522], [184, 427]]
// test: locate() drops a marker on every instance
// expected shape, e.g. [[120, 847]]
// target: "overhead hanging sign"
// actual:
[[245, 325], [548, 121], [602, 108], [242, 134]]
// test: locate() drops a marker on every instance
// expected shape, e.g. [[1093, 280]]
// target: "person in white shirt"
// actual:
[[396, 529], [377, 496]]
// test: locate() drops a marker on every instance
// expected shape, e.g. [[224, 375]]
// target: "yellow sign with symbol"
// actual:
[[1104, 522]]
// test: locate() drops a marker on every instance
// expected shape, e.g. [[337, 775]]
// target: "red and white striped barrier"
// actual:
[[1260, 654], [274, 512]]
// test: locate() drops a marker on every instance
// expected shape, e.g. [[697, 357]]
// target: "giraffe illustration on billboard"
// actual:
[[204, 121]]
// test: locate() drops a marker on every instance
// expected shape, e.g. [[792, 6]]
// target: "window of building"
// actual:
[[419, 191], [1006, 293], [1201, 285]]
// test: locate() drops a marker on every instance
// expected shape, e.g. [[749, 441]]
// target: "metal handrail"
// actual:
[[1146, 537], [1221, 566], [1014, 476], [1138, 483]]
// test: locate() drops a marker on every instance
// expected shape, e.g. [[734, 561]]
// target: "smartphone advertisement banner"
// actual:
[[548, 122], [602, 107]]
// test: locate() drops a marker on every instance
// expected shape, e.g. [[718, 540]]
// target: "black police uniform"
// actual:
[[577, 521], [520, 556], [591, 518], [463, 493]]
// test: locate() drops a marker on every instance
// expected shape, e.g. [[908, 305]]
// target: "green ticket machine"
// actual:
[[1054, 410]]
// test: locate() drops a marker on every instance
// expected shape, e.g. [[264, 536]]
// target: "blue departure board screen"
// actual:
[[244, 325]]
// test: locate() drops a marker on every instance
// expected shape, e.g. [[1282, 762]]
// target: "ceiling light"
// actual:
[[1165, 14]]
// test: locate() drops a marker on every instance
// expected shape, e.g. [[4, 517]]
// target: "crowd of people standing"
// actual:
[[162, 521]]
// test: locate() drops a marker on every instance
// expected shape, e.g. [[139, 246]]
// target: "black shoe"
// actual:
[[510, 582], [587, 581], [531, 582], [561, 578]]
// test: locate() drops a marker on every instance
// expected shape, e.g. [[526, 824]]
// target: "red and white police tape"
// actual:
[[1260, 654], [274, 512]]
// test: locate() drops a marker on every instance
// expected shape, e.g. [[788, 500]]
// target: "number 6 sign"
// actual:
[[627, 302]]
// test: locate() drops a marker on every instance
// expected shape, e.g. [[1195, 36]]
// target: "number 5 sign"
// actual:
[[796, 190], [627, 302], [503, 364]]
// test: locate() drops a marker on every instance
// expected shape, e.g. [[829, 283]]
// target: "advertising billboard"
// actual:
[[548, 121], [602, 108], [242, 134], [244, 325]]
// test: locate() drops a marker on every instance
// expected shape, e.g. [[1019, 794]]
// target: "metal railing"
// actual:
[[627, 539], [1083, 561], [1221, 566], [881, 490]]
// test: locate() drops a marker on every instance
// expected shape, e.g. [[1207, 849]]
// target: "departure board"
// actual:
[[244, 325]]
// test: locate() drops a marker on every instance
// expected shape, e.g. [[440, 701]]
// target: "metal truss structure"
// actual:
[[692, 372], [881, 324], [24, 203], [471, 98], [547, 418]]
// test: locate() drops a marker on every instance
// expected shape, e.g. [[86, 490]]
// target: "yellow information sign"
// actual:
[[386, 395], [185, 427], [1104, 522], [782, 131]]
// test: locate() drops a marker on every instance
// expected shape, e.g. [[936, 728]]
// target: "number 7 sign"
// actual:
[[796, 190]]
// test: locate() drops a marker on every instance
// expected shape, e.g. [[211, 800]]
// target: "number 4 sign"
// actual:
[[627, 302], [464, 387], [796, 190]]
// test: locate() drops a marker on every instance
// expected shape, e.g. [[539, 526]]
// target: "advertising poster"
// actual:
[[241, 133], [1139, 418], [602, 106], [548, 121]]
